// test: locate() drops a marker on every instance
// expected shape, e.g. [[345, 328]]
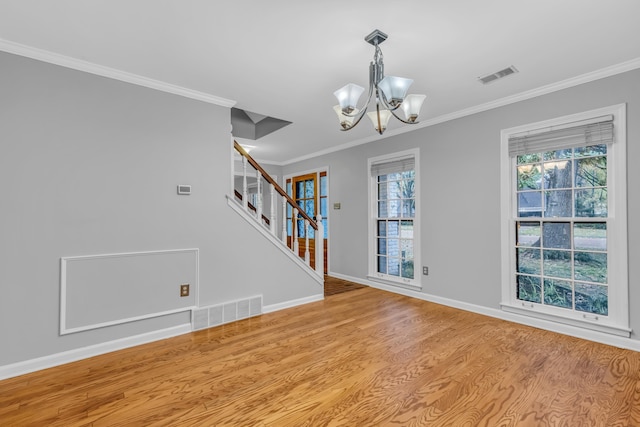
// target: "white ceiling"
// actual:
[[285, 58]]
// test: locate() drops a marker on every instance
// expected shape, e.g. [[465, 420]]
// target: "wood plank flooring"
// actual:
[[360, 358], [333, 286]]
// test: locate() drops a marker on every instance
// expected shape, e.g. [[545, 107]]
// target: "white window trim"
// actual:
[[617, 322], [414, 284]]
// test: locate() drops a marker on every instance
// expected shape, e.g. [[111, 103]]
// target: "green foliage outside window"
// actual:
[[562, 262]]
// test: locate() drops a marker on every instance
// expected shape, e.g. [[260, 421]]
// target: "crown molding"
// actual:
[[89, 67], [112, 73], [543, 90]]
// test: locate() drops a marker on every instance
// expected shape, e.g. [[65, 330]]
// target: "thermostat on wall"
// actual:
[[184, 189]]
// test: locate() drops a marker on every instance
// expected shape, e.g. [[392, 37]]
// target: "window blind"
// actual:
[[578, 134], [393, 166]]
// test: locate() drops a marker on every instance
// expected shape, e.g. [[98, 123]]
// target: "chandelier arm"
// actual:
[[361, 115], [402, 120], [366, 105], [380, 130], [386, 104], [392, 109]]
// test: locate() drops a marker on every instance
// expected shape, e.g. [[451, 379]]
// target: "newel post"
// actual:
[[320, 246]]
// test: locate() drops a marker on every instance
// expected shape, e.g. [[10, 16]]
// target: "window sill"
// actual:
[[412, 285], [595, 324]]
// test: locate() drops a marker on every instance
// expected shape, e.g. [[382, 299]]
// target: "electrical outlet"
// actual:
[[425, 271], [184, 290]]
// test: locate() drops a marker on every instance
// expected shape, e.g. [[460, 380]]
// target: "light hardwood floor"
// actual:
[[360, 358]]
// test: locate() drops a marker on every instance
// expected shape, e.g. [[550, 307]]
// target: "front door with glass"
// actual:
[[312, 198]]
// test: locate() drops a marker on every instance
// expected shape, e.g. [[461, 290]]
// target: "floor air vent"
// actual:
[[207, 317]]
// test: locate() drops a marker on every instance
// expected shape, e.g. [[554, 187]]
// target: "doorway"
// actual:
[[310, 192]]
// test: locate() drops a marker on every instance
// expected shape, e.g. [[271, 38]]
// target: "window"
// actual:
[[394, 237], [564, 220]]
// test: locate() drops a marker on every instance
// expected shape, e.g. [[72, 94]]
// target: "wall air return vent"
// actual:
[[497, 75]]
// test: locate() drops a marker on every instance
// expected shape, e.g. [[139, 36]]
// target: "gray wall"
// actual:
[[90, 166], [460, 218]]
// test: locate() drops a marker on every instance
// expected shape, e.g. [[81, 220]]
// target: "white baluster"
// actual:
[[320, 246], [245, 194], [259, 196], [294, 232], [284, 220], [272, 209], [306, 242]]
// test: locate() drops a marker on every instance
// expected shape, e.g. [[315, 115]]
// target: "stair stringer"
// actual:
[[274, 240]]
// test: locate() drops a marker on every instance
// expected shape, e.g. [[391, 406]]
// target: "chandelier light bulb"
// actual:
[[345, 121], [411, 106], [348, 97], [381, 124], [394, 89]]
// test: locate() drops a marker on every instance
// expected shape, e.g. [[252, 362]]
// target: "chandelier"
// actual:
[[390, 92]]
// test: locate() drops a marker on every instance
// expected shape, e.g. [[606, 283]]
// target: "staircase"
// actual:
[[290, 233]]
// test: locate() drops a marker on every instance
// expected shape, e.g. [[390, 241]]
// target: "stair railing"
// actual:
[[269, 220]]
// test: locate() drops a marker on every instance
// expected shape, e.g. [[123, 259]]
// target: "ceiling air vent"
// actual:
[[497, 75]]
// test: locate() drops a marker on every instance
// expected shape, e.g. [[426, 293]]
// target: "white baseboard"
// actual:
[[37, 364], [293, 303], [32, 365], [28, 366], [599, 337]]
